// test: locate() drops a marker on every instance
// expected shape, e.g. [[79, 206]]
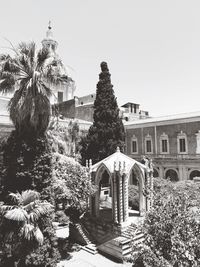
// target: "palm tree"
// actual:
[[25, 213], [31, 74]]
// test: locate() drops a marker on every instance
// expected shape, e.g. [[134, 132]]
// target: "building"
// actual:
[[82, 108], [66, 91], [131, 111], [173, 142]]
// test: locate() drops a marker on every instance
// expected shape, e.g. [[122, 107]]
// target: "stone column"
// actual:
[[115, 198], [151, 192], [125, 195], [148, 192], [120, 200]]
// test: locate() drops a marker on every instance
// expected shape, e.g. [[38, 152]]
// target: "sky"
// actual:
[[152, 47]]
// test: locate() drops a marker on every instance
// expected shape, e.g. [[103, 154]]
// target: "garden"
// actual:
[[42, 180]]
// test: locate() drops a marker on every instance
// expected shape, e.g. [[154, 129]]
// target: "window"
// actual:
[[148, 144], [164, 144], [182, 143], [60, 97], [134, 145]]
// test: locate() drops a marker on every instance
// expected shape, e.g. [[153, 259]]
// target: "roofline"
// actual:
[[164, 120]]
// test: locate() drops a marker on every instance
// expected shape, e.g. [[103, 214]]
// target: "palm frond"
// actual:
[[16, 197], [29, 196], [39, 210], [42, 57], [4, 208], [38, 235], [27, 231], [16, 214], [31, 232]]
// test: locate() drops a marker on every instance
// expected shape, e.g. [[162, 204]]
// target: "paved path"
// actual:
[[84, 259]]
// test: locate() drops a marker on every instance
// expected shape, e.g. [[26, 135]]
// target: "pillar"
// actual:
[[148, 192], [115, 198], [120, 200], [125, 195], [151, 190]]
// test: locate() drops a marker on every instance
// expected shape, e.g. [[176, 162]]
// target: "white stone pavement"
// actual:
[[84, 259]]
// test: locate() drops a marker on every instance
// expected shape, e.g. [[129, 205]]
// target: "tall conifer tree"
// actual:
[[107, 131]]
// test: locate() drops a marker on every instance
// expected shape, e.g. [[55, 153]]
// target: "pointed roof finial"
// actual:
[[49, 27], [117, 150]]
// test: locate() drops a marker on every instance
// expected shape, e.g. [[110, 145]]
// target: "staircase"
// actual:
[[89, 244], [121, 246]]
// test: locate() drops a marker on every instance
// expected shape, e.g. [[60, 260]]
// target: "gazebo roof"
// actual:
[[113, 162]]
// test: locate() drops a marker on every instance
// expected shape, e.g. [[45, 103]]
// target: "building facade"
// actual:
[[173, 142]]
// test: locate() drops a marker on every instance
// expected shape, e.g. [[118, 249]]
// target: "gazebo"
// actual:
[[112, 176], [110, 223]]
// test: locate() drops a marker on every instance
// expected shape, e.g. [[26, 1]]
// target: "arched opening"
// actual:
[[133, 193], [171, 175], [155, 173], [194, 173], [105, 196], [136, 187]]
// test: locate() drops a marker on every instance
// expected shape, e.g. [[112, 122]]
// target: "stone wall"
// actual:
[[84, 112]]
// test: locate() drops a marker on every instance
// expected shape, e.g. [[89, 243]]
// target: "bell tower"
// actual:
[[49, 42]]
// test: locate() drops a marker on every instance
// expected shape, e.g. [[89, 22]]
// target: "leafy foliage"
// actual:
[[27, 165], [172, 227], [107, 131], [26, 230], [31, 74], [71, 185], [64, 139]]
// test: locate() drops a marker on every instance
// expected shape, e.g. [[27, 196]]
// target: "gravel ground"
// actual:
[[84, 259]]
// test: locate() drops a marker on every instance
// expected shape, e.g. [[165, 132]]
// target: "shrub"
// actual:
[[172, 229], [71, 185]]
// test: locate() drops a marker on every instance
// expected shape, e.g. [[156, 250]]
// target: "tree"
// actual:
[[22, 227], [172, 229], [107, 131], [31, 74], [27, 164], [64, 139]]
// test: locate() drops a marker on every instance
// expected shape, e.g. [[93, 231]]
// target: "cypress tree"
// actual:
[[107, 132]]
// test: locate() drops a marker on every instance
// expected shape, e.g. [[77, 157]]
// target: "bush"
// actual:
[[61, 217], [172, 231], [71, 185]]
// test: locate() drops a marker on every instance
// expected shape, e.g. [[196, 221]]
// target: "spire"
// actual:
[[49, 27]]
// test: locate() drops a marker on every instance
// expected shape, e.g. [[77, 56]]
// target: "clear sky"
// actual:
[[152, 47]]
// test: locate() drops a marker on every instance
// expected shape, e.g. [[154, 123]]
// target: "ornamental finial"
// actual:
[[117, 150], [49, 27]]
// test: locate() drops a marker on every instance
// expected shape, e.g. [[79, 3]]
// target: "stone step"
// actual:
[[91, 248]]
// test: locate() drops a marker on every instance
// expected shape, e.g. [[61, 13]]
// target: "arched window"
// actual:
[[148, 144], [134, 145], [164, 144], [195, 173], [182, 143], [155, 173], [171, 175]]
